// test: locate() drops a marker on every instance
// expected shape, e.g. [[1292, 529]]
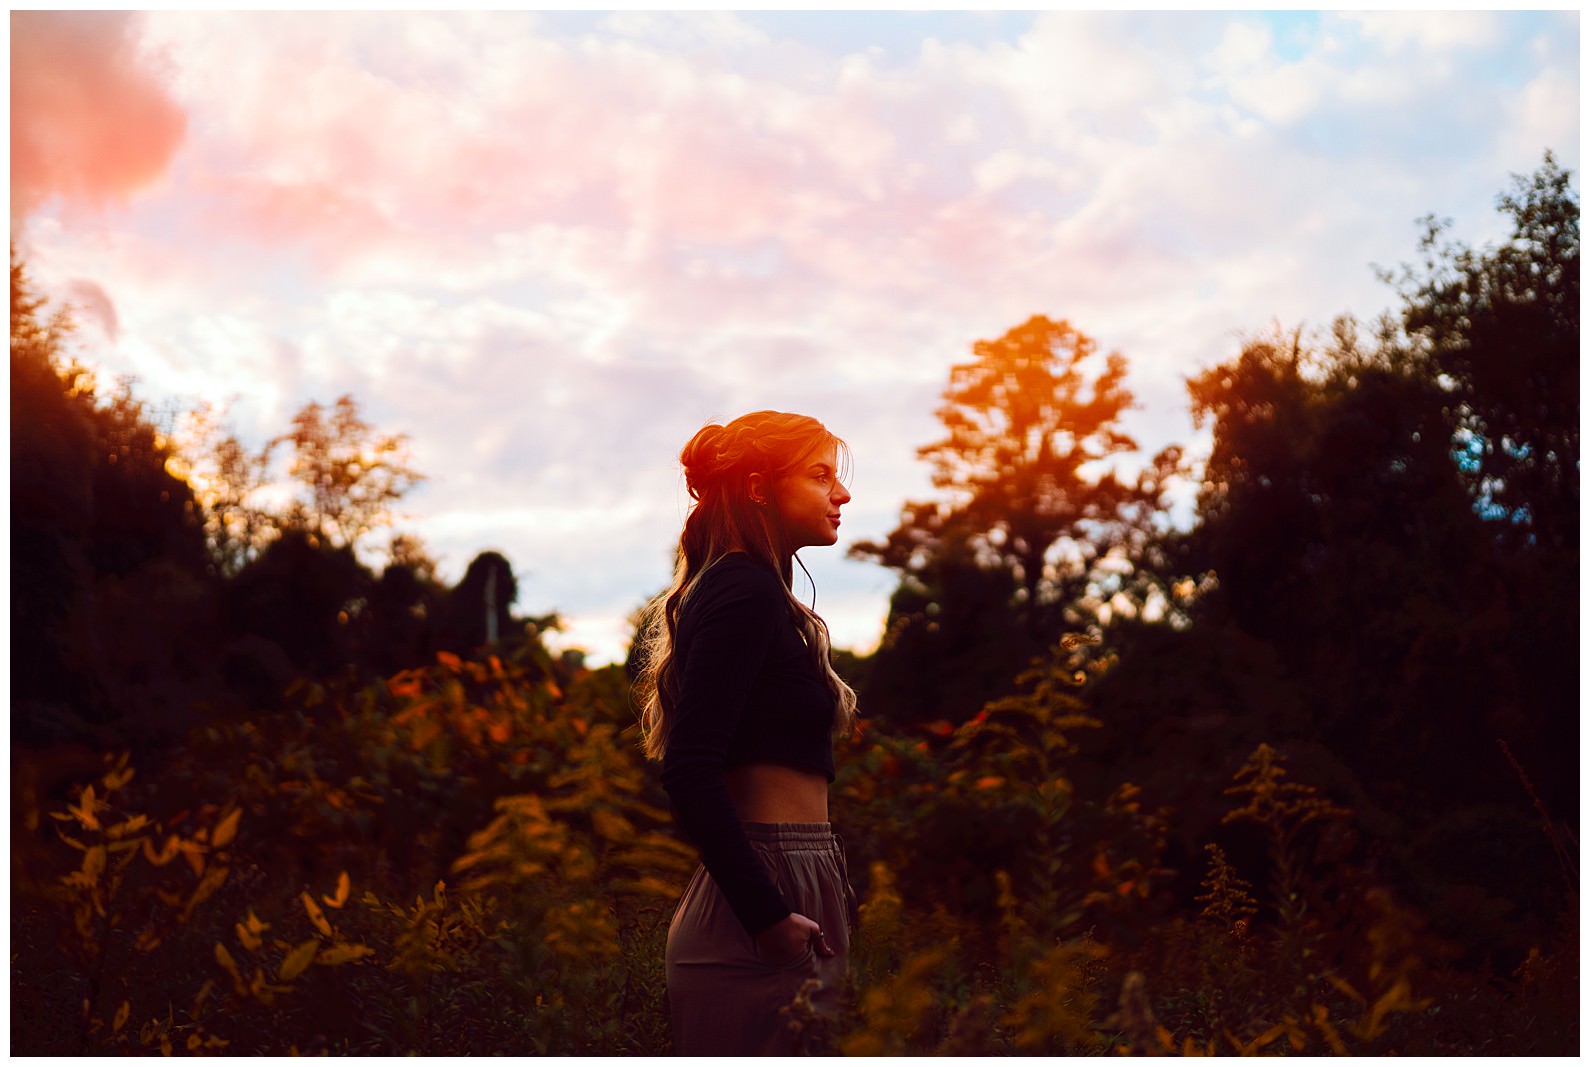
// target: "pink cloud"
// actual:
[[478, 135], [276, 212], [91, 301], [89, 117]]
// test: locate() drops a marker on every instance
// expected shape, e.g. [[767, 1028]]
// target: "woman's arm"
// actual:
[[731, 621]]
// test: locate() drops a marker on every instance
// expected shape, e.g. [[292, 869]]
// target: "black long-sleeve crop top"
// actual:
[[748, 691]]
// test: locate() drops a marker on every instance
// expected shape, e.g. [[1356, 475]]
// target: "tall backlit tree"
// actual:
[[228, 479], [352, 475], [1032, 421]]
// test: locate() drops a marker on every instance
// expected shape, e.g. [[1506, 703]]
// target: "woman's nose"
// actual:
[[840, 494]]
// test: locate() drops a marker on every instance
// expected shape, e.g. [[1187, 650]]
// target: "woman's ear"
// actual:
[[756, 487]]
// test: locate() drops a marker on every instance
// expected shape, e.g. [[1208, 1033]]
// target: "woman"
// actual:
[[740, 702]]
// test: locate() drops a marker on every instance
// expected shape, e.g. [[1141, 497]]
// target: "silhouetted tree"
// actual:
[[351, 475], [110, 606], [403, 615], [226, 477], [303, 597], [1501, 326], [142, 512], [52, 503], [1361, 589], [951, 641], [1331, 525], [1024, 418], [478, 609], [991, 573]]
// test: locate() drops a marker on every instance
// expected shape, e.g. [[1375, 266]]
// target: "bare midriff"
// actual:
[[772, 792]]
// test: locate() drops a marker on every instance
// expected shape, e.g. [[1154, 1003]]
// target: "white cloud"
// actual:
[[1007, 166], [695, 32], [1428, 32], [1242, 46], [1282, 94], [1545, 114]]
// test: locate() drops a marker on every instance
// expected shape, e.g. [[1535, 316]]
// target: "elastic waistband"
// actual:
[[790, 835]]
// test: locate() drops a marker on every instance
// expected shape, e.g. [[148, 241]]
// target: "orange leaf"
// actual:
[[167, 853], [226, 829], [340, 897], [298, 960], [120, 775], [406, 684], [338, 954], [247, 938], [207, 885], [316, 916], [84, 812], [416, 710], [224, 958], [131, 826]]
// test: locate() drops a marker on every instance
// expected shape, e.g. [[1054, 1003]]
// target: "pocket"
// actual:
[[803, 959], [786, 880], [794, 886]]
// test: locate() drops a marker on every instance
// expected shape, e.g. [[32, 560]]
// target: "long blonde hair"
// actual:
[[718, 464]]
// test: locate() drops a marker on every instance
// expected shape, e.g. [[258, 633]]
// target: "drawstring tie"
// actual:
[[852, 902]]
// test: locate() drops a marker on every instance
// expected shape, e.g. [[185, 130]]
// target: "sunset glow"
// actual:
[[549, 247]]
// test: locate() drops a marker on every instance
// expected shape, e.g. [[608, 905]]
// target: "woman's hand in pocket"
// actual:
[[786, 940]]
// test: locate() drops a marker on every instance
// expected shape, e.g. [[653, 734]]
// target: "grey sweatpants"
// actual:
[[724, 1000]]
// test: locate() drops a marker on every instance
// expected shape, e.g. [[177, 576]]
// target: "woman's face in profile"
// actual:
[[809, 499]]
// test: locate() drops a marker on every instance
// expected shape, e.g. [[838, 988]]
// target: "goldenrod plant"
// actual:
[[473, 858]]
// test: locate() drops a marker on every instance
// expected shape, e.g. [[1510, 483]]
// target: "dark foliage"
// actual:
[[109, 601], [1377, 581], [477, 613], [302, 596], [141, 604]]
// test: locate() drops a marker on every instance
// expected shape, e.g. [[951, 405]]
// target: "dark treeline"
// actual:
[[1380, 577], [1295, 772], [152, 589]]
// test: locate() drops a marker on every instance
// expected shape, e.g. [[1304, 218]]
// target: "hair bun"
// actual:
[[703, 457]]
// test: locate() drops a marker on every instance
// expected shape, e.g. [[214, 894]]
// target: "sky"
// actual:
[[549, 247]]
